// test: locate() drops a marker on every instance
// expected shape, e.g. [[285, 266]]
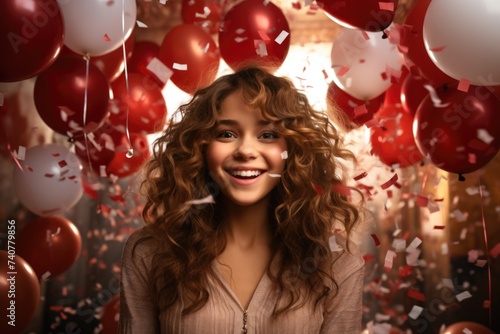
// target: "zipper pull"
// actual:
[[244, 329]]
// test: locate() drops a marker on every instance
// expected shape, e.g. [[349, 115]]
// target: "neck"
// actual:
[[247, 227]]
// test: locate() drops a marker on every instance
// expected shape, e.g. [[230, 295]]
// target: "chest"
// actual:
[[243, 271]]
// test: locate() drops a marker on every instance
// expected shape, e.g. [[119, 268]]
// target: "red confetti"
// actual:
[[341, 189], [421, 201], [319, 189], [343, 70], [417, 295], [375, 238], [360, 176], [495, 251], [405, 271], [296, 5], [383, 75], [389, 183], [49, 175], [106, 38], [360, 110], [439, 227], [62, 163], [386, 6], [437, 48], [477, 144], [486, 304], [263, 35], [389, 194], [55, 154], [463, 85], [365, 35], [29, 168]]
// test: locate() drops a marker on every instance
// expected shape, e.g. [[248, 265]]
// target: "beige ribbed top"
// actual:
[[223, 313]]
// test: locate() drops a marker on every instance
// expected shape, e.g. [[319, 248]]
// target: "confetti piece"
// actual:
[[399, 245], [281, 37], [481, 263], [274, 175], [417, 295], [343, 70], [458, 215], [386, 6], [437, 48], [439, 227], [208, 199], [414, 244], [372, 122], [341, 189], [141, 24], [360, 176], [204, 15], [463, 85], [421, 201], [466, 331], [389, 259], [106, 38], [62, 163], [473, 254], [463, 234], [163, 2], [284, 155], [483, 135], [334, 246], [263, 35], [389, 183], [412, 257], [46, 275], [365, 35], [495, 251], [486, 304], [415, 312], [463, 295], [360, 110], [159, 69], [180, 67], [436, 101], [296, 5], [319, 189], [375, 239]]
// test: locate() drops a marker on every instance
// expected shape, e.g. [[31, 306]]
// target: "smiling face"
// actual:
[[244, 157]]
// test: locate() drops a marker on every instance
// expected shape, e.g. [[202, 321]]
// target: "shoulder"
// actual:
[[345, 261], [139, 245]]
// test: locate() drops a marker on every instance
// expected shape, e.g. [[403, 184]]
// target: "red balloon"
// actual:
[[393, 140], [110, 316], [360, 14], [473, 327], [143, 102], [461, 133], [124, 164], [412, 46], [25, 286], [144, 53], [205, 13], [192, 55], [49, 244], [60, 94], [254, 31], [413, 92], [112, 63], [31, 35], [357, 111]]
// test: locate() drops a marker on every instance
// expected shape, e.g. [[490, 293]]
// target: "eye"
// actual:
[[269, 135], [225, 135]]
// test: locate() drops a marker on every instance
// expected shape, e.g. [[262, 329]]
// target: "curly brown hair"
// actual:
[[188, 236]]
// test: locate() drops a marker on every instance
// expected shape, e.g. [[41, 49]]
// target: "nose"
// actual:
[[246, 149]]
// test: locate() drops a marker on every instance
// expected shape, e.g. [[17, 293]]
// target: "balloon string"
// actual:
[[85, 99], [488, 255], [130, 152]]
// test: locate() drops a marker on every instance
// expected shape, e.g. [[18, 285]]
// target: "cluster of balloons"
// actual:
[[439, 104]]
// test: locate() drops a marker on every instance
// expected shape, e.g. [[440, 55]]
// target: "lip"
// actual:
[[245, 182]]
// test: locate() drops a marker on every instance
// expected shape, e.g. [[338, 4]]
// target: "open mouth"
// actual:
[[245, 174]]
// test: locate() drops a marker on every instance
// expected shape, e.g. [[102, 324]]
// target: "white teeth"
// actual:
[[246, 173]]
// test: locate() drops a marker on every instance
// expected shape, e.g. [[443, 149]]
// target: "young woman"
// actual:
[[240, 219]]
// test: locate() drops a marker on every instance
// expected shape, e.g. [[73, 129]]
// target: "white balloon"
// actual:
[[50, 182], [94, 27], [462, 38], [360, 61]]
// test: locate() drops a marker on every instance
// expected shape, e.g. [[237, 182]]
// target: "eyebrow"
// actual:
[[234, 122]]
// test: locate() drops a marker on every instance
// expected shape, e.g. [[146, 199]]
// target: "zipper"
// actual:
[[244, 328]]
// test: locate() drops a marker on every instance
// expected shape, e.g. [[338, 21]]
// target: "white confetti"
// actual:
[[414, 244], [399, 245], [180, 67], [240, 39], [261, 49], [481, 263], [206, 12], [159, 69], [21, 153], [389, 259], [473, 254], [281, 37], [240, 31], [274, 175], [484, 136], [46, 275], [208, 199], [436, 101], [284, 155], [415, 312], [141, 24], [163, 2], [205, 49], [102, 171], [463, 295], [467, 331], [334, 246]]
